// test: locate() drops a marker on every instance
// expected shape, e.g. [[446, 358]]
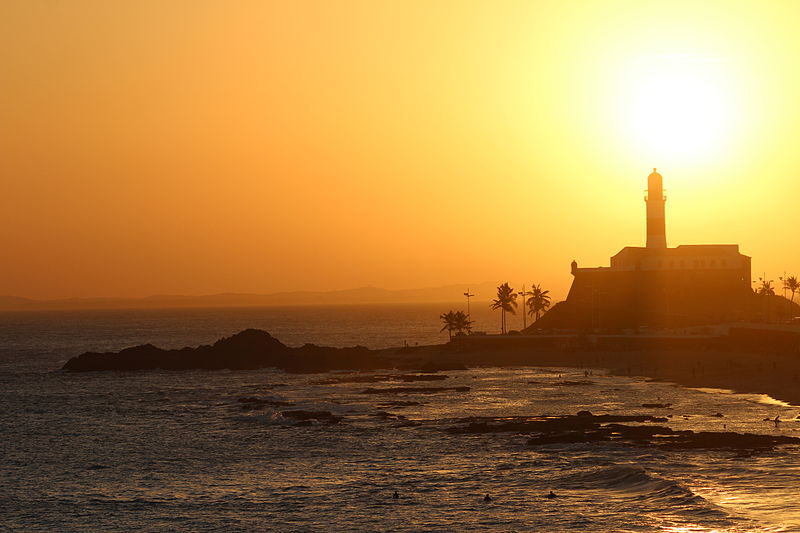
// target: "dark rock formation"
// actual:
[[722, 440], [586, 427], [389, 416], [583, 421], [307, 416], [247, 350], [398, 403], [312, 358]]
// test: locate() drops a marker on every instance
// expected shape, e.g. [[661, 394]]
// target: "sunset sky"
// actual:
[[197, 147]]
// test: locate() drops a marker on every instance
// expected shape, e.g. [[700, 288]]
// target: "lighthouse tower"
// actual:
[[655, 199]]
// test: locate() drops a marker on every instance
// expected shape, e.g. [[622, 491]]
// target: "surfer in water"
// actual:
[[550, 495], [487, 498]]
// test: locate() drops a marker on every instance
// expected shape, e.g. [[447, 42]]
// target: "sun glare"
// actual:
[[678, 108]]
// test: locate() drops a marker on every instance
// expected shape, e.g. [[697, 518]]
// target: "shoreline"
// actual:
[[744, 365], [773, 374]]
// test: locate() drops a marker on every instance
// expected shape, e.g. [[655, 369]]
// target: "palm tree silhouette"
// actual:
[[462, 322], [766, 288], [449, 319], [507, 302], [538, 302], [455, 321], [791, 284]]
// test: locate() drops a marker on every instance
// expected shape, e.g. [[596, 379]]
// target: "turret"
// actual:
[[655, 200]]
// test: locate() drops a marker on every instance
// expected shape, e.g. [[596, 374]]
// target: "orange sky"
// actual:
[[204, 146]]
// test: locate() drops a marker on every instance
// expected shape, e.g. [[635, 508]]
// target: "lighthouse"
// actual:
[[655, 199]]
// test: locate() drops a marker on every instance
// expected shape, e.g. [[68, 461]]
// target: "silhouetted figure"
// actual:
[[551, 495], [395, 496], [777, 420], [487, 498]]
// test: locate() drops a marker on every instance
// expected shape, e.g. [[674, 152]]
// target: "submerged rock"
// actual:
[[320, 416], [586, 427], [583, 421], [725, 440], [398, 403]]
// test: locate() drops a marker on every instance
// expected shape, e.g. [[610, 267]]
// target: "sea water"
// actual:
[[178, 451]]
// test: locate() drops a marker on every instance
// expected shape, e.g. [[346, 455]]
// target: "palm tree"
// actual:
[[791, 284], [538, 302], [765, 289], [507, 302], [462, 322], [449, 319], [455, 321]]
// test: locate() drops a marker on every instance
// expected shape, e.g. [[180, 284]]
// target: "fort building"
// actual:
[[656, 285]]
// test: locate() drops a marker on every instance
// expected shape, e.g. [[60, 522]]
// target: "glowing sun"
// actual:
[[677, 108]]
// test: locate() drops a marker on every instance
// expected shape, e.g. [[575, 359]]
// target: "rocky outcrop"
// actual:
[[583, 421], [586, 428], [247, 350]]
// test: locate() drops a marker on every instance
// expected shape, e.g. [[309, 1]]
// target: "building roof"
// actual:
[[684, 250]]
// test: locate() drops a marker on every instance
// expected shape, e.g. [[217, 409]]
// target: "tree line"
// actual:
[[537, 301]]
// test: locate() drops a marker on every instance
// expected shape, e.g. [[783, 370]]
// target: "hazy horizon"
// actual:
[[451, 295]]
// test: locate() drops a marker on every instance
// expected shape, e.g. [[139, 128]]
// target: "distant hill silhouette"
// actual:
[[361, 295]]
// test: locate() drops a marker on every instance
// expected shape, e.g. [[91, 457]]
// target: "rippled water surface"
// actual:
[[180, 451]]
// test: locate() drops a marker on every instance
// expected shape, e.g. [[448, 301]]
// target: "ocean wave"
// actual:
[[635, 482]]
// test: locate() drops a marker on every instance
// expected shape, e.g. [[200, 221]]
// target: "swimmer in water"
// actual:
[[551, 495], [487, 498]]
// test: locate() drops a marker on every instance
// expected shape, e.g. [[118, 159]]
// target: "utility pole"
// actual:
[[783, 280], [469, 316], [524, 313]]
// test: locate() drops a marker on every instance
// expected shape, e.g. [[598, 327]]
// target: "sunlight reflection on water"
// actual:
[[186, 448]]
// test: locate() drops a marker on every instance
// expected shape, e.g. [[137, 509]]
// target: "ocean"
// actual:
[[212, 451]]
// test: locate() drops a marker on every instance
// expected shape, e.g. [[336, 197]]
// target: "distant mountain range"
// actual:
[[363, 295]]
